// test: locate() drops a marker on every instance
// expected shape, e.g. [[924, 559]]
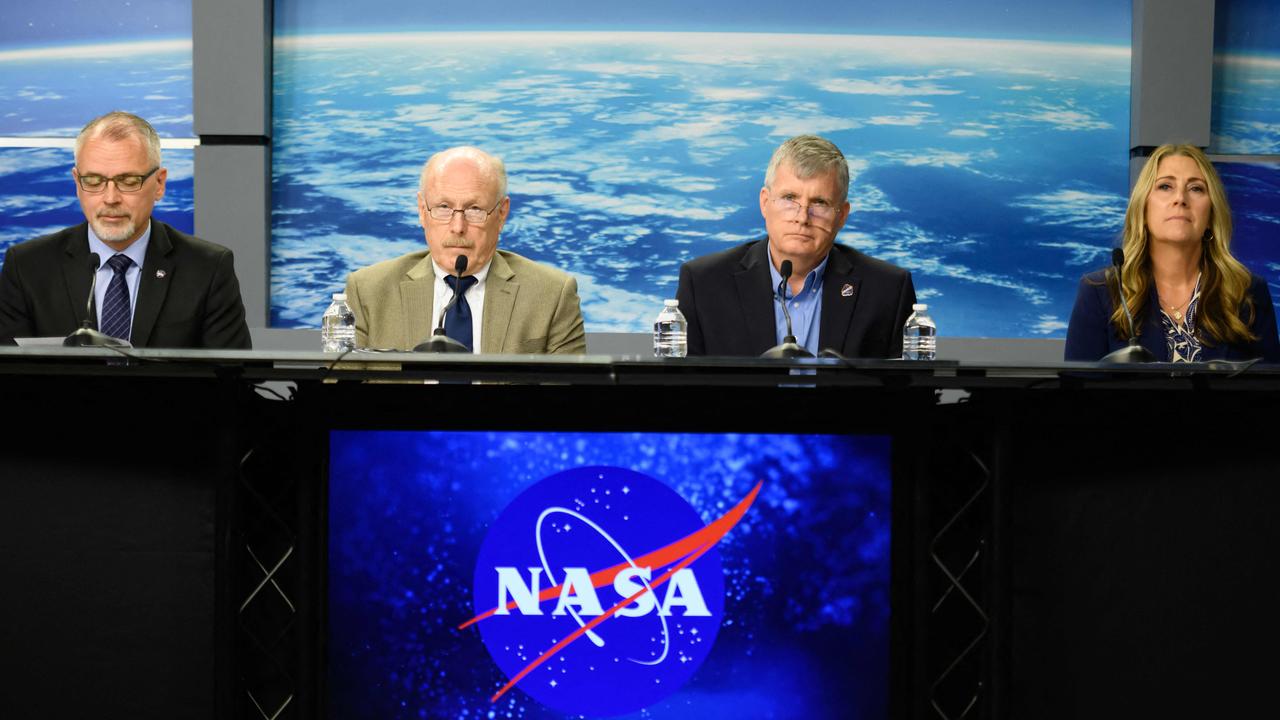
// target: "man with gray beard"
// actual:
[[155, 286]]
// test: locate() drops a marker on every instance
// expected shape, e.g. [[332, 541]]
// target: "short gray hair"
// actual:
[[810, 155], [117, 126], [491, 165]]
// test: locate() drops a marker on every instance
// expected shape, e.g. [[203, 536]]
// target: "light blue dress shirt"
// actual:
[[137, 252], [805, 307]]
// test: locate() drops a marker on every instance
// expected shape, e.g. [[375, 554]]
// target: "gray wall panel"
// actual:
[[231, 77], [231, 67], [1172, 81], [234, 210]]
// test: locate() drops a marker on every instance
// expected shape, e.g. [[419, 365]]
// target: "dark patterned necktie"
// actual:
[[117, 317], [457, 320]]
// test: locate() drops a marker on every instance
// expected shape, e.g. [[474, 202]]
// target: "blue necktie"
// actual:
[[117, 317], [457, 320]]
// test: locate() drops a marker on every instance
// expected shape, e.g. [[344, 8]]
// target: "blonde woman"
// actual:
[[1191, 300]]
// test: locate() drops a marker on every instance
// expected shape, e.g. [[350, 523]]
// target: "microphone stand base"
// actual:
[[786, 350], [441, 344], [1129, 354], [87, 337]]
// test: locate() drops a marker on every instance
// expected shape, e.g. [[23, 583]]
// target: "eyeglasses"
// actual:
[[819, 211], [91, 183], [473, 215]]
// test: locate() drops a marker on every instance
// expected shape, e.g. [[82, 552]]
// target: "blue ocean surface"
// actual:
[[1252, 190], [38, 194], [53, 90], [1246, 104], [995, 170], [1246, 78], [805, 628]]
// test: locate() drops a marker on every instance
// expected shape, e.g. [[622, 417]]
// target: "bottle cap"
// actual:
[[920, 307], [670, 303], [339, 297]]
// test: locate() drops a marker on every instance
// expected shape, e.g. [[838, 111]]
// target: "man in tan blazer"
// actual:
[[515, 305]]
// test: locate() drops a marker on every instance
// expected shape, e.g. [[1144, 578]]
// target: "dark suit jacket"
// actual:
[[727, 297], [1090, 334], [188, 296]]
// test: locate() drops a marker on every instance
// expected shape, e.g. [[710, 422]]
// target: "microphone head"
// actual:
[[95, 261], [460, 265], [1117, 257], [785, 270]]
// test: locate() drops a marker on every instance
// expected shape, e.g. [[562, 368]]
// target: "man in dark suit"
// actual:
[[838, 297], [156, 286]]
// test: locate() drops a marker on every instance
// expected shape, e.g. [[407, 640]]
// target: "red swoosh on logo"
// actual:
[[690, 548], [710, 534]]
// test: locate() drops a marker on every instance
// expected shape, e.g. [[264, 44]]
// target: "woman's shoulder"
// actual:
[[1258, 286], [1097, 277], [1264, 322], [1092, 294], [1093, 282], [1260, 294]]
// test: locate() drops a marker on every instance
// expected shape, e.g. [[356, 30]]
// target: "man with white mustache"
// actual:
[[506, 303], [155, 286]]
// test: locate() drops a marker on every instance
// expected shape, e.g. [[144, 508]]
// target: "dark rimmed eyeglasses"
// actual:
[[128, 183]]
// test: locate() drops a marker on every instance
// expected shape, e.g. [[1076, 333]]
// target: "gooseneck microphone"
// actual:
[[86, 335], [785, 272], [1133, 352], [95, 262], [789, 347], [439, 342]]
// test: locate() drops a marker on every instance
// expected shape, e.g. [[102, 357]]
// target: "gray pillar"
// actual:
[[231, 82], [233, 209], [1172, 83]]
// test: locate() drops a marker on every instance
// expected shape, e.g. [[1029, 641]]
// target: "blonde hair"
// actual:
[[1224, 281]]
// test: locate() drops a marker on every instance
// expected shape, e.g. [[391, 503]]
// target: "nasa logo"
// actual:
[[599, 590]]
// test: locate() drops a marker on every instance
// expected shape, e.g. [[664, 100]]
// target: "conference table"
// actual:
[[1069, 539]]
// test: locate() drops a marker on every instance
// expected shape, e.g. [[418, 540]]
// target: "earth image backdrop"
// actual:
[[48, 94], [60, 66], [1246, 121], [996, 171], [1246, 78]]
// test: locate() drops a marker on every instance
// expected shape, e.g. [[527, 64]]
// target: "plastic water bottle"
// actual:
[[338, 326], [919, 335], [670, 331]]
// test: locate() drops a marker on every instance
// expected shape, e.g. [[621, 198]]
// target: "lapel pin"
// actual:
[[846, 291], [160, 274]]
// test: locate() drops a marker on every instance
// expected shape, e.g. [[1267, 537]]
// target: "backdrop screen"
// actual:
[[555, 575], [63, 63], [988, 141]]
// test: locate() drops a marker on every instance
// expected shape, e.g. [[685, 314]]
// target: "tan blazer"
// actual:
[[528, 307]]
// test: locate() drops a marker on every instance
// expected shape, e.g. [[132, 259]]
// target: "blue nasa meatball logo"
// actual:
[[599, 591]]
